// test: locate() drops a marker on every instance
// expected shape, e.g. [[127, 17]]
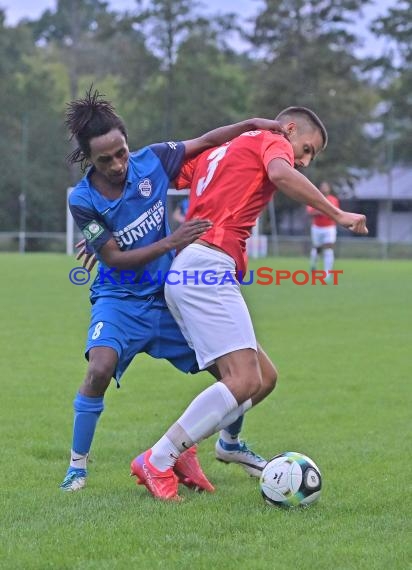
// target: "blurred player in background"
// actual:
[[323, 232], [230, 185], [120, 207], [179, 213]]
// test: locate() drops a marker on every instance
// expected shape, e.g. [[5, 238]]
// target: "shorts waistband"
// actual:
[[212, 251]]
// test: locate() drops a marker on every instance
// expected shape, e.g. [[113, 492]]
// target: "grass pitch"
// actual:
[[344, 356]]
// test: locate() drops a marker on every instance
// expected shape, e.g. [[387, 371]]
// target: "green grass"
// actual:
[[344, 356]]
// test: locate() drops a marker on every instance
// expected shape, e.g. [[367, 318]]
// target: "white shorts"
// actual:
[[321, 236], [213, 317]]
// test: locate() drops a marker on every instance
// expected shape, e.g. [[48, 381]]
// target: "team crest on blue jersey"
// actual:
[[145, 188]]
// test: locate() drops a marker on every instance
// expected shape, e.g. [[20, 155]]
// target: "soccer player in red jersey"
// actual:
[[121, 207], [323, 232], [230, 185]]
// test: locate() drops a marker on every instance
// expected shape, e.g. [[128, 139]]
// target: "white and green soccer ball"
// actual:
[[290, 479]]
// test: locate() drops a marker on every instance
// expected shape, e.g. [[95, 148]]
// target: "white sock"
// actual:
[[328, 259], [230, 419], [77, 460], [200, 419], [164, 454], [313, 257]]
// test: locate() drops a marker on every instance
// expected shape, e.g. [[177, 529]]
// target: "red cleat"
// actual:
[[161, 484], [190, 473]]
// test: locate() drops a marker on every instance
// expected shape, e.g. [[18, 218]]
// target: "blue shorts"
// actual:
[[131, 326]]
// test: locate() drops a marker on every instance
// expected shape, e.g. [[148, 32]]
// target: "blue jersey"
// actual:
[[136, 219]]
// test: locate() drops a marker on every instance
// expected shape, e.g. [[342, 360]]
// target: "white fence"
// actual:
[[258, 245]]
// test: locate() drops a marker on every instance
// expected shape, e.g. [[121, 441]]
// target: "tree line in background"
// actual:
[[173, 73]]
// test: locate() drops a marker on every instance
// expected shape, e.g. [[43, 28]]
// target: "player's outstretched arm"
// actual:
[[311, 211], [223, 134], [299, 188], [114, 257]]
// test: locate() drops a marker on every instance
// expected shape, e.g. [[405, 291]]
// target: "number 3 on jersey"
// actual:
[[215, 157]]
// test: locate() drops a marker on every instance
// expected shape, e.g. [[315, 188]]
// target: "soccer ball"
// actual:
[[290, 479]]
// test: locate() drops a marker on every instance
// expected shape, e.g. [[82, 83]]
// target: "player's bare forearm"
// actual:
[[223, 134], [114, 257], [299, 188], [183, 236]]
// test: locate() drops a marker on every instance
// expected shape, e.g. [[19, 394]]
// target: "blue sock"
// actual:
[[231, 432], [86, 413]]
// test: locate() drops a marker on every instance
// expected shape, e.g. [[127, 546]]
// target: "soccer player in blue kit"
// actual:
[[120, 207]]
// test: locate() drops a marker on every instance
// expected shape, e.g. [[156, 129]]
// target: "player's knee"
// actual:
[[244, 386], [242, 375], [98, 377], [254, 386], [252, 376], [254, 382]]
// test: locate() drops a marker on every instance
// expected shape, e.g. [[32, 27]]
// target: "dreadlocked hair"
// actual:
[[87, 118]]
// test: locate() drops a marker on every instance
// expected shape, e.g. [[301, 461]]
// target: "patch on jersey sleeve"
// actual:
[[92, 231]]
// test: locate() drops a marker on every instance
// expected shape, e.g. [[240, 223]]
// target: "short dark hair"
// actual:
[[308, 116], [87, 118]]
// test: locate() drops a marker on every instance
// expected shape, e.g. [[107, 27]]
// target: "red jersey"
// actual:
[[319, 219], [230, 186]]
